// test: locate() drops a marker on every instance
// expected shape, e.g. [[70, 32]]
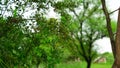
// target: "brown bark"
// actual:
[[115, 43], [109, 28], [117, 58]]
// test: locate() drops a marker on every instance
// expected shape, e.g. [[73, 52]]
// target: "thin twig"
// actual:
[[114, 11]]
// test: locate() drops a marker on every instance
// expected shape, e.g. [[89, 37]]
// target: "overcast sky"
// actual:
[[113, 5]]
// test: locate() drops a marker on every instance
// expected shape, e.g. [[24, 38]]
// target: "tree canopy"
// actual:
[[28, 38]]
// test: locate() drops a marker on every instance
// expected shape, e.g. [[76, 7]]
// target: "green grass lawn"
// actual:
[[83, 65], [102, 65]]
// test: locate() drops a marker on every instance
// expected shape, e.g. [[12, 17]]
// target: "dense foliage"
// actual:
[[28, 38]]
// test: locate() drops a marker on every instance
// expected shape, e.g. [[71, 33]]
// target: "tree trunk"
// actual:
[[117, 58], [88, 64], [116, 44]]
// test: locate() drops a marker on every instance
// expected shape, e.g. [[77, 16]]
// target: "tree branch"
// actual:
[[109, 28], [114, 11]]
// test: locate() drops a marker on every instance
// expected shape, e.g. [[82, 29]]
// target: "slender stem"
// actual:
[[114, 11]]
